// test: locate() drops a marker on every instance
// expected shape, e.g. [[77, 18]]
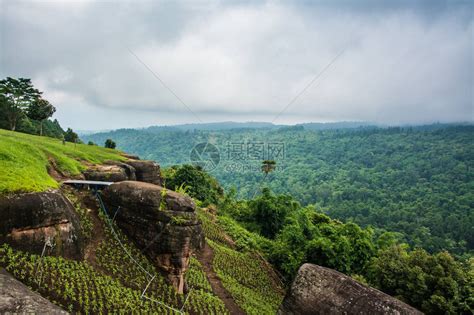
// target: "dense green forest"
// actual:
[[289, 234], [418, 181]]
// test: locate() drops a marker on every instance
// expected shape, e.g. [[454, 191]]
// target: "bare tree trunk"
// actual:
[[12, 119], [260, 186], [41, 127]]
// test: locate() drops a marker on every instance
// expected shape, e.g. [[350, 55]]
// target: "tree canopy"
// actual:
[[16, 96], [23, 109], [417, 181], [197, 182], [40, 110], [109, 143]]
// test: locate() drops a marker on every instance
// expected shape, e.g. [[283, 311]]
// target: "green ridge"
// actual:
[[24, 160]]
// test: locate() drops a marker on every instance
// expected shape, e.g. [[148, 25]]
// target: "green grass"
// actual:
[[113, 260], [76, 286], [241, 271], [244, 276], [212, 229], [24, 160]]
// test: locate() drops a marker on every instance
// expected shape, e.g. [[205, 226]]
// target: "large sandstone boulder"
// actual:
[[28, 221], [110, 172], [147, 171], [17, 298], [113, 171], [162, 223], [319, 290]]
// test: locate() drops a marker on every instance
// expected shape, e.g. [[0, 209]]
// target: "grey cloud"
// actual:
[[402, 62]]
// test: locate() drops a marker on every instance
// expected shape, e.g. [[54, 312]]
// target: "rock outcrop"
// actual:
[[111, 172], [319, 290], [17, 298], [162, 223], [30, 220], [147, 171]]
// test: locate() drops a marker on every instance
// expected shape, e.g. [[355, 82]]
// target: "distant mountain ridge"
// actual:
[[233, 125], [230, 125]]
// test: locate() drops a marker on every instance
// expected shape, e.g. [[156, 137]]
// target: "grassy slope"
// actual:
[[247, 278], [24, 160]]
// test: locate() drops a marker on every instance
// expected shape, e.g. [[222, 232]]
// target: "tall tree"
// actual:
[[270, 211], [71, 136], [109, 143], [200, 184], [17, 95], [40, 110], [268, 166]]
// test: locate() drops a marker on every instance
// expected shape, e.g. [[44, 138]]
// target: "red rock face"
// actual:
[[29, 220], [320, 290], [162, 223]]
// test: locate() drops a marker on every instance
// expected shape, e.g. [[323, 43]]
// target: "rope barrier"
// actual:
[[185, 300], [113, 219], [101, 203], [47, 243], [149, 282], [110, 222]]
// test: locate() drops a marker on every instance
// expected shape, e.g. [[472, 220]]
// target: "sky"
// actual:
[[119, 64]]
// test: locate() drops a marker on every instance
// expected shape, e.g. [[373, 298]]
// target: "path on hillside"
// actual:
[[94, 243], [205, 256], [98, 233]]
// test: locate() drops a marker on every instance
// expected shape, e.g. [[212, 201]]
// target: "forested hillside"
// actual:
[[418, 181], [242, 234]]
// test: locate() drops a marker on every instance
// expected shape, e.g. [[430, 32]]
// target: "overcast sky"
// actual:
[[121, 64]]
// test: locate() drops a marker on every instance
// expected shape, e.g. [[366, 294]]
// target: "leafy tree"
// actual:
[[109, 143], [267, 167], [52, 128], [40, 110], [90, 143], [269, 211], [200, 185], [71, 136], [311, 236], [15, 96], [435, 284]]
